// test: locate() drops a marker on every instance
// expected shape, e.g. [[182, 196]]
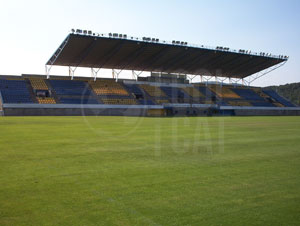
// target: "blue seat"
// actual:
[[174, 92], [278, 98], [132, 88], [248, 94], [15, 91], [70, 88], [77, 101], [206, 92], [261, 104], [146, 102]]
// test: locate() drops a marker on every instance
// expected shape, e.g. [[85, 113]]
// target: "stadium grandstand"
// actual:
[[168, 91]]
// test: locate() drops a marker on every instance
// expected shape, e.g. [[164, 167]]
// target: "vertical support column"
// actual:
[[135, 75], [47, 70], [94, 73], [72, 72], [113, 73]]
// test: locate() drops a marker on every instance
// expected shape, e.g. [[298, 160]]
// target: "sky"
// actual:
[[32, 30]]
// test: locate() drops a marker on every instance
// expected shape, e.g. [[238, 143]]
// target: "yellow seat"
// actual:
[[224, 92], [118, 101], [193, 92], [108, 87], [38, 84], [153, 91], [162, 101], [239, 103], [46, 100]]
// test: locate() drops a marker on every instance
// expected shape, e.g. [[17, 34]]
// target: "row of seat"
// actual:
[[193, 92], [118, 101], [108, 87], [15, 91], [153, 91], [224, 92], [38, 84], [46, 100], [111, 92]]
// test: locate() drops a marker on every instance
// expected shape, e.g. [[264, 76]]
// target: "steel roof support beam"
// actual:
[[201, 65], [211, 71], [232, 61], [156, 57], [256, 67], [82, 56], [260, 74], [85, 52], [216, 62], [52, 60], [133, 56], [233, 64], [136, 54], [111, 53], [195, 60], [180, 64], [175, 60], [56, 54], [247, 64]]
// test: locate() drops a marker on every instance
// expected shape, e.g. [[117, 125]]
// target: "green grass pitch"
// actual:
[[149, 171]]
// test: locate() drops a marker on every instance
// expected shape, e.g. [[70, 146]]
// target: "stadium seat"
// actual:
[[248, 94], [193, 92], [108, 87], [135, 90], [278, 98], [239, 103], [224, 92], [69, 87], [15, 91], [65, 100], [262, 104], [175, 92], [146, 102], [46, 100], [205, 91], [38, 84], [118, 101], [153, 91], [162, 101]]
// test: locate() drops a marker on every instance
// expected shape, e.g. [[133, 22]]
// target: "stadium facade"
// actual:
[[167, 92]]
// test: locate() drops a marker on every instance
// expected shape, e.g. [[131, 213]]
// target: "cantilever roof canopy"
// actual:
[[99, 51]]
